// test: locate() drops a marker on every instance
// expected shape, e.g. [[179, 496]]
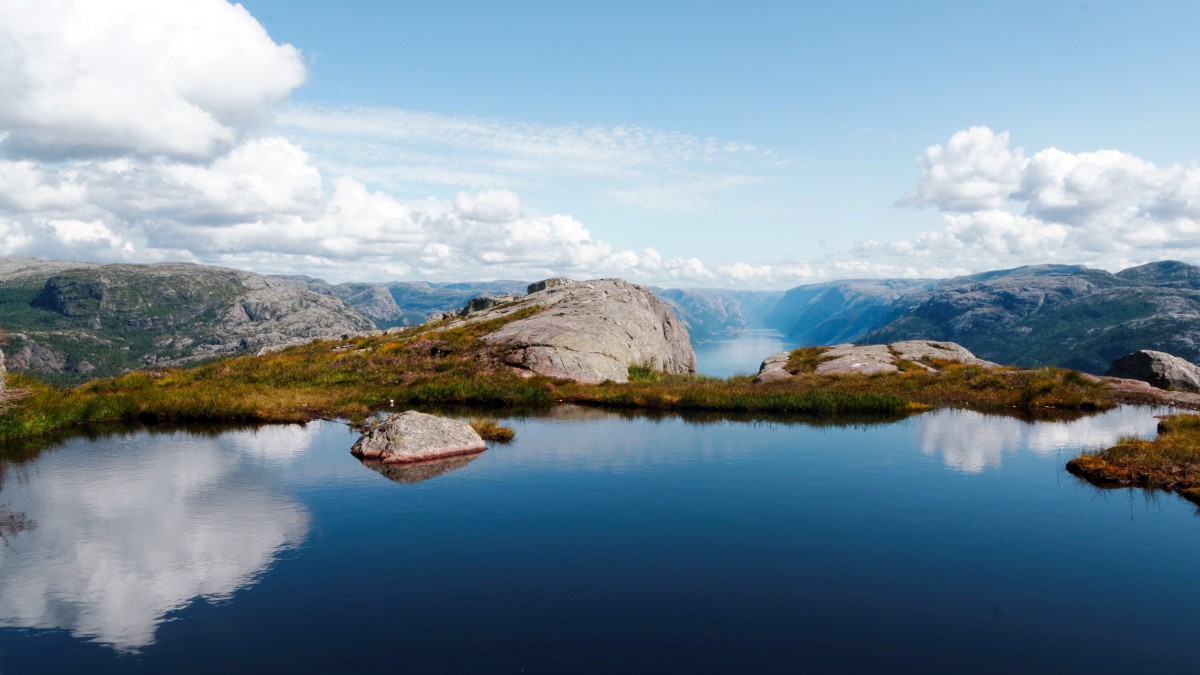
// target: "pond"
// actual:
[[598, 542]]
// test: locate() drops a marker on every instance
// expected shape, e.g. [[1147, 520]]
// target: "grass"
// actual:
[[1169, 462], [491, 430], [804, 360], [432, 367]]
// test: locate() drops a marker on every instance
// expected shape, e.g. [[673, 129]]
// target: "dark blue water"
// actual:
[[740, 354], [596, 542]]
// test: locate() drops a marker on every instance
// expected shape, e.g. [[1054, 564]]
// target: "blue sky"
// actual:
[[744, 144]]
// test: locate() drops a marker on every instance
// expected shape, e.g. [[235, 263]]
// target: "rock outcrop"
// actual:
[[417, 437], [1159, 369], [591, 331], [868, 359], [773, 368]]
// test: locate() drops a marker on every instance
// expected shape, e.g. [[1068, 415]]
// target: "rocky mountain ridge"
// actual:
[[69, 320], [1064, 315]]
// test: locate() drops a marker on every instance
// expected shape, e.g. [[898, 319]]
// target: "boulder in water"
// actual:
[[417, 437]]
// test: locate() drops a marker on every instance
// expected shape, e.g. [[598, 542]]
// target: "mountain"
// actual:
[[1065, 315], [404, 303], [373, 301], [69, 321], [1068, 316], [842, 311], [707, 313], [713, 312], [419, 299]]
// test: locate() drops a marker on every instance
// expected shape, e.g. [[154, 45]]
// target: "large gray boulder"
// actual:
[[592, 331], [1157, 368], [417, 437]]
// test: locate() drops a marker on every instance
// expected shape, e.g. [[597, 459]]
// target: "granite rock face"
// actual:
[[592, 331], [1157, 368], [417, 437], [868, 359]]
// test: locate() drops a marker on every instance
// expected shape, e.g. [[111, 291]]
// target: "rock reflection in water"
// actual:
[[972, 442], [129, 533], [415, 472]]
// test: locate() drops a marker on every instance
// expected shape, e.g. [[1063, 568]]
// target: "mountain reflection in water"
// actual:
[[125, 535]]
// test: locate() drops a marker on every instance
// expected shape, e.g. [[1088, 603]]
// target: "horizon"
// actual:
[[680, 146]]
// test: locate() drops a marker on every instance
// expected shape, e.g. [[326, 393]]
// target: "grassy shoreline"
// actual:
[[1170, 462], [429, 367]]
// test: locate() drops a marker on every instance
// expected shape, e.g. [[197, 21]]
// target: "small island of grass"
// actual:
[[1169, 462]]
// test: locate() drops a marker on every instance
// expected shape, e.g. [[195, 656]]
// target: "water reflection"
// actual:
[[128, 532], [972, 442], [420, 471]]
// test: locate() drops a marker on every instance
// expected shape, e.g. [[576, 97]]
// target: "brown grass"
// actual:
[[1169, 462]]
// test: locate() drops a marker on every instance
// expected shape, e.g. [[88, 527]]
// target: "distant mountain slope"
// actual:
[[842, 311], [1066, 315], [707, 313], [373, 301], [710, 313], [404, 303], [70, 320], [1074, 317]]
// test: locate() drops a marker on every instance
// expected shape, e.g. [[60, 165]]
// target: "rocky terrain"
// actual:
[[590, 331], [68, 321], [869, 359], [1160, 369]]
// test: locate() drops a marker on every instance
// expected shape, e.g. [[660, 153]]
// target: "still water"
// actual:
[[599, 542], [740, 354]]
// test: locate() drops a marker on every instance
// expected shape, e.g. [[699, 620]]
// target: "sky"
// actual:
[[757, 145]]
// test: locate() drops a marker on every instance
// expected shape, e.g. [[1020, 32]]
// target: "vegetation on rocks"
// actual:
[[1169, 462], [439, 365]]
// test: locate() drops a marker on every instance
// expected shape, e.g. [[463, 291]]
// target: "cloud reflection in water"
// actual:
[[141, 526], [972, 442]]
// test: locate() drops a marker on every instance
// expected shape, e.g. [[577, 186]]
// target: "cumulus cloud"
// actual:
[[1002, 206], [975, 170], [171, 77]]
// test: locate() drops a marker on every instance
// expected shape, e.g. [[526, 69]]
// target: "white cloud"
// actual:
[[650, 168], [133, 131], [1002, 207], [975, 170], [170, 77]]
